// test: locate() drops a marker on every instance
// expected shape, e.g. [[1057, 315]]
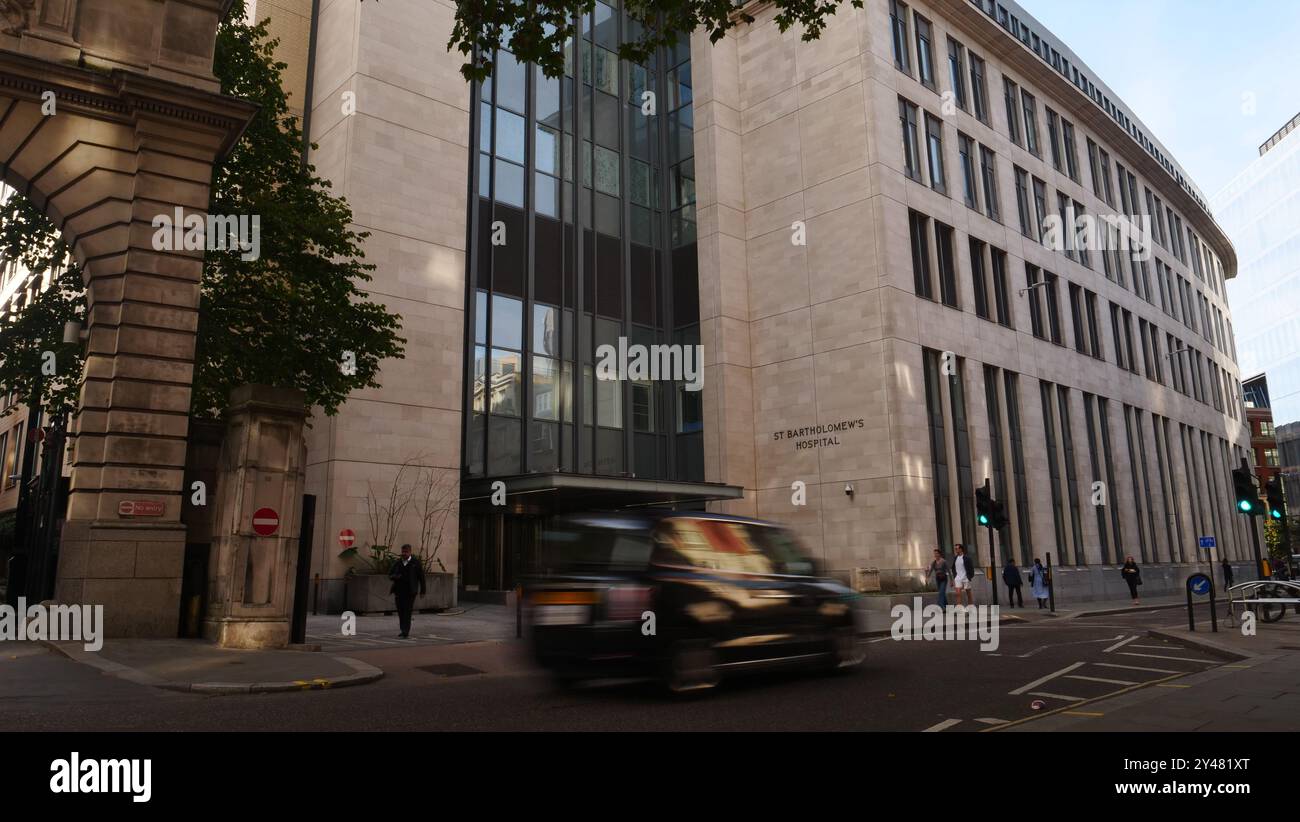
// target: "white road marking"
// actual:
[[1100, 679], [1174, 658], [1151, 647], [947, 723], [1047, 678], [1120, 644], [989, 720], [1137, 668], [1057, 696]]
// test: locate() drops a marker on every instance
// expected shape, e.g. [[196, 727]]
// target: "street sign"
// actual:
[[1207, 543], [265, 522], [1198, 584], [347, 537], [140, 508]]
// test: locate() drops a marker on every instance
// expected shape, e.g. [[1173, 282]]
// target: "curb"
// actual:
[[363, 674], [1133, 609], [1209, 646]]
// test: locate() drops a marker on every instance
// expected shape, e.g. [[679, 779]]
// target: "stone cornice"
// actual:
[[123, 95]]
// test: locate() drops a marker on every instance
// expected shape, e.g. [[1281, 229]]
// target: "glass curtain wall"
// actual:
[[583, 235]]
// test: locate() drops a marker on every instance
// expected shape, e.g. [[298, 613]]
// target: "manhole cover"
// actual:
[[450, 669]]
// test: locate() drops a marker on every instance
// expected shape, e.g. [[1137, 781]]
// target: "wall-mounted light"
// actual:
[[848, 490]]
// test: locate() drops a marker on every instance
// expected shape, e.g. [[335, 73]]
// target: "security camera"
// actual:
[[848, 490]]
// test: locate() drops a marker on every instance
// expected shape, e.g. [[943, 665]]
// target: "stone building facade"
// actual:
[[861, 219]]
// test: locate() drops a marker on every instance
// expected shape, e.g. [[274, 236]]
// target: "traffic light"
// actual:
[[998, 519], [1243, 485], [989, 512], [1276, 504], [983, 504]]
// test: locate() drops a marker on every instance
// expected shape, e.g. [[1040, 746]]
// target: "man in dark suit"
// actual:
[[408, 583]]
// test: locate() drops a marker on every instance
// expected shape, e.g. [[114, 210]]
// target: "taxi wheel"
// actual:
[[848, 651], [692, 666]]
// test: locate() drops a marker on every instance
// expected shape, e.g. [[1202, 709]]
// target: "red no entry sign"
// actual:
[[265, 522], [347, 537]]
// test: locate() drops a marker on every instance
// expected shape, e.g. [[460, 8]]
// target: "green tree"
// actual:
[[31, 338], [536, 31], [294, 316]]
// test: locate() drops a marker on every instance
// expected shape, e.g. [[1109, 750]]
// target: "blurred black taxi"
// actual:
[[686, 597]]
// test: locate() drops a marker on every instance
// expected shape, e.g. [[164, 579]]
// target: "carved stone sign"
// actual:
[[817, 436]]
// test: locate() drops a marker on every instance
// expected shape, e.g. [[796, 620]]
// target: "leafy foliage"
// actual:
[[28, 238], [294, 316], [536, 31]]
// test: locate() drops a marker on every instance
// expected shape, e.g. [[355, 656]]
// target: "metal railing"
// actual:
[[1251, 595]]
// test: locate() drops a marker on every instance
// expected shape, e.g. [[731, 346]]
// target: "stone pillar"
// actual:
[[251, 577], [111, 115]]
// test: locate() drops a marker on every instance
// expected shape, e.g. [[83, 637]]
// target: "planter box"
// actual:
[[368, 593]]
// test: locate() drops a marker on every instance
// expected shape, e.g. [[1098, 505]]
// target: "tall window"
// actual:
[[924, 50], [1031, 122], [1022, 200], [957, 71], [979, 277], [911, 153], [989, 174], [947, 265], [1009, 95], [898, 25], [1053, 137], [1033, 276], [1040, 206], [964, 152], [1094, 168], [1076, 315], [934, 152], [920, 226], [1000, 299], [1011, 386], [1071, 152], [979, 89], [938, 446]]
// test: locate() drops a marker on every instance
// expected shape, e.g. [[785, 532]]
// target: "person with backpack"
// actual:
[[1133, 576], [939, 567]]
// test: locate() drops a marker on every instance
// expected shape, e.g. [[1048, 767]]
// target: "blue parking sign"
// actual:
[[1207, 542]]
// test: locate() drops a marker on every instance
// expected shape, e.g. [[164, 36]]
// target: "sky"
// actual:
[[1211, 79]]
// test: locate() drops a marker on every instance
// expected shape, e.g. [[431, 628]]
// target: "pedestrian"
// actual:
[[1038, 582], [1227, 573], [963, 575], [1011, 576], [1133, 576], [408, 582], [939, 567]]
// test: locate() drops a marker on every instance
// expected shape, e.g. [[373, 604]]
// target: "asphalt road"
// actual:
[[949, 686]]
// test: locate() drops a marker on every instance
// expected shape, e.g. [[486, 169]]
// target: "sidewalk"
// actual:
[[1258, 690], [468, 622], [199, 666], [1076, 610]]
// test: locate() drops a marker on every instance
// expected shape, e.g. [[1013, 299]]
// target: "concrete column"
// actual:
[[250, 577]]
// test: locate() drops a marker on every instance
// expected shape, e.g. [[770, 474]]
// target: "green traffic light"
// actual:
[[984, 520], [1275, 514], [1244, 505]]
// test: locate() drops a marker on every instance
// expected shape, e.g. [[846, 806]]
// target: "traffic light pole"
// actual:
[[993, 563], [1259, 561]]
